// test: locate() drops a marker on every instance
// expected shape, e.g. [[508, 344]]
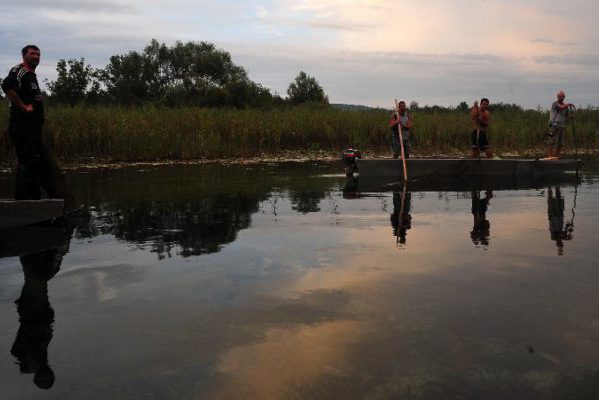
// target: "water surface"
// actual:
[[283, 281]]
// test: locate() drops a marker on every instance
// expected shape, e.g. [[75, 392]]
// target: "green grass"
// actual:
[[150, 133]]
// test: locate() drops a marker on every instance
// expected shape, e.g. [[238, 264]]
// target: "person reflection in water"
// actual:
[[36, 315], [481, 229], [555, 213], [401, 219]]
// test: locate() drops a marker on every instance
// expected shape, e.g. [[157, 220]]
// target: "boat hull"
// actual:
[[452, 168], [25, 212]]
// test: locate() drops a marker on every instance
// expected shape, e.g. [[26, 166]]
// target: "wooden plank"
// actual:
[[25, 212]]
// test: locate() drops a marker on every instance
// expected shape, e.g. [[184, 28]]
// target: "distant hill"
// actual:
[[352, 107]]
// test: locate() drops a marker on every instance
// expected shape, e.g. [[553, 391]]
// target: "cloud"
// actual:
[[363, 51], [96, 6]]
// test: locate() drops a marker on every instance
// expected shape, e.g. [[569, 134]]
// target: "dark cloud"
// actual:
[[569, 59]]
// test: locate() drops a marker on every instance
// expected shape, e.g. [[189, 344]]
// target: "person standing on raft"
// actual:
[[559, 114], [36, 167], [480, 117], [404, 119]]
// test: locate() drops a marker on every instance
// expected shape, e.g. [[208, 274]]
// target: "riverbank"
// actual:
[[282, 157], [114, 135]]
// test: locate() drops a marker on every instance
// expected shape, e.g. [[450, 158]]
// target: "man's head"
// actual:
[[561, 96], [401, 106], [484, 103], [31, 55]]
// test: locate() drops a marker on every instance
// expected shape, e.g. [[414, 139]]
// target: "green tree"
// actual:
[[184, 73], [75, 83], [306, 88], [128, 78], [463, 106]]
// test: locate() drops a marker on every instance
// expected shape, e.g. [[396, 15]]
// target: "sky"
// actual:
[[362, 52]]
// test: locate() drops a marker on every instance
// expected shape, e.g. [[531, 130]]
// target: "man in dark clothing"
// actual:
[[36, 167]]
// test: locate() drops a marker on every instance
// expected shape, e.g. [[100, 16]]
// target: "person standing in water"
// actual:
[[401, 117], [559, 114], [480, 117]]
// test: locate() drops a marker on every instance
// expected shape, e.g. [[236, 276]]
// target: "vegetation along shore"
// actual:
[[189, 101]]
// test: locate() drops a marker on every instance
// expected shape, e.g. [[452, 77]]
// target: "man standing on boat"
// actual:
[[36, 167], [404, 119], [559, 114], [480, 117]]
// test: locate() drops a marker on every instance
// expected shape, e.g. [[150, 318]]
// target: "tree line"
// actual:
[[182, 74]]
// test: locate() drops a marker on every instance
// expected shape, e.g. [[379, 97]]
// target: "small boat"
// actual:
[[26, 212], [457, 167]]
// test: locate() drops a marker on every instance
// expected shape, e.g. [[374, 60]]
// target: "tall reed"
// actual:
[[151, 133]]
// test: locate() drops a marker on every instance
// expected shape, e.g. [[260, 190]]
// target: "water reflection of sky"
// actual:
[[317, 300]]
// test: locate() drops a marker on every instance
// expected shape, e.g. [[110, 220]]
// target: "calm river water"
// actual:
[[286, 281]]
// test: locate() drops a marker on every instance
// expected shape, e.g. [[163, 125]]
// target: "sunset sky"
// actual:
[[362, 52]]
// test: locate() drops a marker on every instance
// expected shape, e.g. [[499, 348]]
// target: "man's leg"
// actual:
[[474, 141], [395, 145], [27, 182], [52, 177], [560, 140], [407, 148]]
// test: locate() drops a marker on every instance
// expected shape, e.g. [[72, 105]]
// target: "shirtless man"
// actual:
[[480, 117]]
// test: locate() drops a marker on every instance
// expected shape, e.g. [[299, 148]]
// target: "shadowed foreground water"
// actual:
[[290, 282]]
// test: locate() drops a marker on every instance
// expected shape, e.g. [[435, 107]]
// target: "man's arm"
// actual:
[[563, 106], [17, 102], [408, 125]]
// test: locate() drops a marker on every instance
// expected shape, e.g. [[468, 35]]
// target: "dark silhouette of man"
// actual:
[[401, 219], [555, 213], [36, 315], [481, 229]]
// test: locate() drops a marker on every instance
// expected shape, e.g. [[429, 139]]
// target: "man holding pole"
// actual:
[[559, 114], [401, 118], [480, 117]]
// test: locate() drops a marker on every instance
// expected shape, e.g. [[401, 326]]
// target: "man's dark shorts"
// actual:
[[479, 140]]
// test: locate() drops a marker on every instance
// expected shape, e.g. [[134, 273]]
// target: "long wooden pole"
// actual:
[[403, 156]]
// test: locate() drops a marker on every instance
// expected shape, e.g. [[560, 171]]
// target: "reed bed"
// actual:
[[114, 134]]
